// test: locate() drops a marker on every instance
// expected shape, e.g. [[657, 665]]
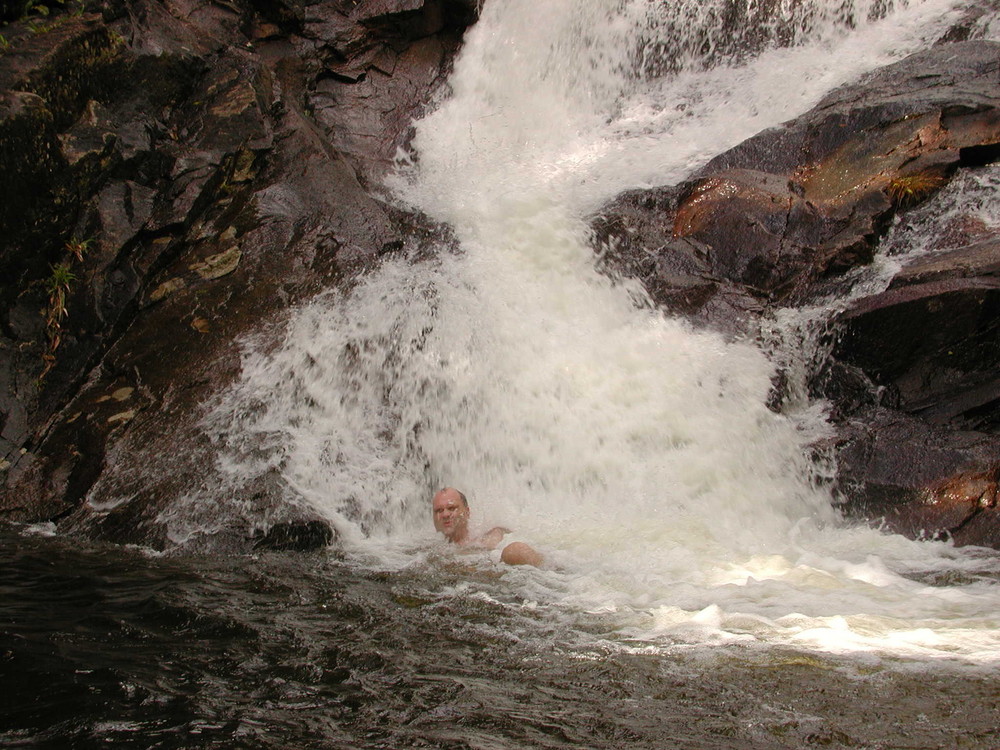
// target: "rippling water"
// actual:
[[106, 646]]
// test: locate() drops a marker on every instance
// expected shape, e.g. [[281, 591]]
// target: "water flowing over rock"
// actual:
[[179, 174], [237, 355], [176, 174], [782, 218]]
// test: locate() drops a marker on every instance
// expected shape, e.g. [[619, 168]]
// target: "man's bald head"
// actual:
[[451, 514]]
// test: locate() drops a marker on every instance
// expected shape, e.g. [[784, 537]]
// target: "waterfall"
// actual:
[[636, 452]]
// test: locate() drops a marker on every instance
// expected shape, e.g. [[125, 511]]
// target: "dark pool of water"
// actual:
[[102, 646]]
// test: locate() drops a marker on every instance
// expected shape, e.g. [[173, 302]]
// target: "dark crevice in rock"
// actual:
[[979, 156]]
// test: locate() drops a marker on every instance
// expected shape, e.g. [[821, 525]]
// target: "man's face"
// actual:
[[451, 516]]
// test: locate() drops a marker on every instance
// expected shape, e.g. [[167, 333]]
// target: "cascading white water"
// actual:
[[636, 453]]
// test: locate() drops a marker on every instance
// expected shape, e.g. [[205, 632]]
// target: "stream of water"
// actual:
[[700, 588], [637, 453]]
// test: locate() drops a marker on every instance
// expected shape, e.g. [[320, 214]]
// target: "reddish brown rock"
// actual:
[[919, 479], [782, 214]]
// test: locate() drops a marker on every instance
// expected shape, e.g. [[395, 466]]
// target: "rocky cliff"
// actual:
[[176, 174]]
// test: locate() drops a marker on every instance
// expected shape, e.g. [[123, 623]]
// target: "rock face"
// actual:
[[804, 202], [176, 174], [780, 219], [925, 450]]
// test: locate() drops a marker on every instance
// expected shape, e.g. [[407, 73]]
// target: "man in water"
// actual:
[[451, 518]]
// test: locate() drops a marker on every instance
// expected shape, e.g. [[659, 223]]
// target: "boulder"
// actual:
[[919, 479], [936, 345], [299, 536], [677, 272], [795, 205]]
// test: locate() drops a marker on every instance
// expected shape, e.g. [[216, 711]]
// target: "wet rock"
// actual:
[[961, 231], [301, 536], [927, 347], [972, 25], [378, 59], [122, 208], [93, 136], [787, 209], [847, 389], [976, 260], [677, 272], [936, 344], [728, 33], [918, 479], [217, 266], [200, 155], [765, 233]]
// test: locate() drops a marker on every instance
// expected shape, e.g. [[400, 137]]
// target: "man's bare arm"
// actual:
[[519, 553], [493, 537]]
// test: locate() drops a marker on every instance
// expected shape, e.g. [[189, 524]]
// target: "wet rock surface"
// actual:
[[301, 536], [177, 174], [786, 218]]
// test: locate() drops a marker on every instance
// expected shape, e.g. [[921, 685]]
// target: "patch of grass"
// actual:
[[58, 286], [35, 11], [37, 27], [907, 190], [78, 248], [42, 7]]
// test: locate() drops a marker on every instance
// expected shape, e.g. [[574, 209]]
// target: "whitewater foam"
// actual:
[[637, 453]]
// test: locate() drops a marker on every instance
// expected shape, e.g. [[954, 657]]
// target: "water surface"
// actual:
[[102, 645]]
